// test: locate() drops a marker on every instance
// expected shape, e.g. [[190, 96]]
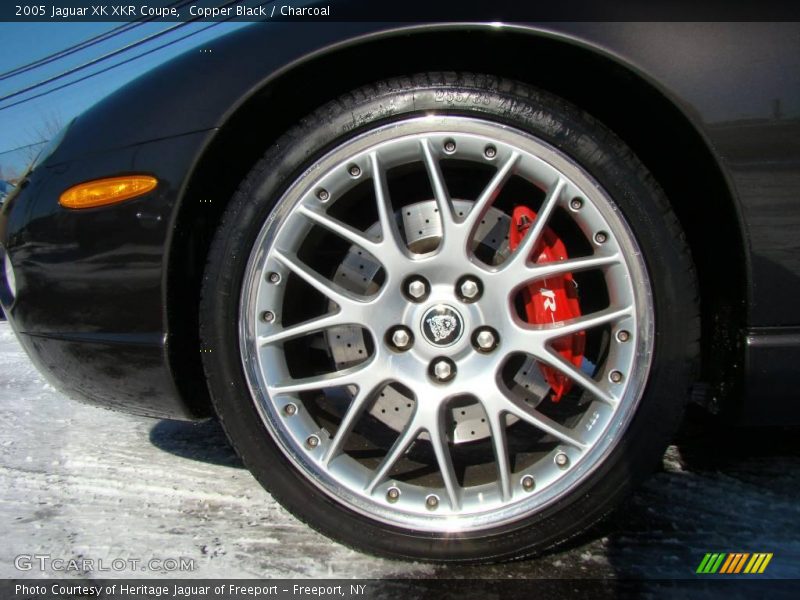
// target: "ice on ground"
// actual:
[[85, 483]]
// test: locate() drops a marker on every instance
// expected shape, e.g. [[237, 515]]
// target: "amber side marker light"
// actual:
[[102, 192]]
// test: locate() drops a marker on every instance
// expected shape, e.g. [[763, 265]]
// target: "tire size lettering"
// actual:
[[455, 97]]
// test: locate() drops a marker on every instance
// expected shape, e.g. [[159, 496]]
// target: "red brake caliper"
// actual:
[[550, 300]]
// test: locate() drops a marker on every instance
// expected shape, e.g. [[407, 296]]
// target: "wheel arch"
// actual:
[[640, 115]]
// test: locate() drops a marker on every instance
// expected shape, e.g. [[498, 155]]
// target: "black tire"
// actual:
[[574, 133]]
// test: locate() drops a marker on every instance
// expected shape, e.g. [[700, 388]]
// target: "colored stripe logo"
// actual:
[[734, 563]]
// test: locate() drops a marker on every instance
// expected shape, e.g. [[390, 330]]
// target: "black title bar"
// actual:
[[404, 11]]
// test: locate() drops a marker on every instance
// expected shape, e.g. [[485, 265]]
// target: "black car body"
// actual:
[[108, 296], [107, 299]]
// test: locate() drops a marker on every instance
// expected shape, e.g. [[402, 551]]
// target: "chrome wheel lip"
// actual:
[[523, 502]]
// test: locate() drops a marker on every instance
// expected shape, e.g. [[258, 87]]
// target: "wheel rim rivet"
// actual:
[[528, 483], [601, 237], [401, 338], [432, 502], [623, 336], [576, 204], [268, 316], [417, 289], [562, 460], [274, 277], [615, 376], [312, 441], [290, 409], [450, 146], [354, 170], [323, 195], [490, 152], [393, 494]]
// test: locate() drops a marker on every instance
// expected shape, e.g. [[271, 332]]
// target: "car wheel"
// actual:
[[449, 317]]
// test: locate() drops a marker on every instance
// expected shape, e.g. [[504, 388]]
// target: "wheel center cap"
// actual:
[[442, 325]]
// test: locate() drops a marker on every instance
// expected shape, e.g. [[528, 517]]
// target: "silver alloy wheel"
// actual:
[[287, 388]]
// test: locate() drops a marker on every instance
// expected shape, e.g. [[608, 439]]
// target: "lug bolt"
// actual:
[[354, 170], [470, 289], [312, 441], [562, 460], [432, 502], [449, 146], [527, 483], [623, 335], [393, 494], [615, 376], [274, 277], [323, 195], [401, 338], [576, 204], [290, 409], [600, 237], [490, 152], [443, 370], [485, 340], [268, 316], [417, 289]]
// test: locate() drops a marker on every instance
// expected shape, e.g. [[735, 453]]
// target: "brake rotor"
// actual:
[[357, 273]]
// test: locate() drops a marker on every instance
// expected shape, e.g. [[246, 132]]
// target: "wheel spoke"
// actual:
[[323, 285], [487, 197], [401, 444], [349, 376], [351, 234], [543, 423], [567, 368], [512, 275], [535, 231], [304, 328], [440, 193], [360, 401], [443, 458], [391, 236], [603, 317], [497, 429]]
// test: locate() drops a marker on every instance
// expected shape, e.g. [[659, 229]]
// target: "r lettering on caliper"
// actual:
[[549, 301]]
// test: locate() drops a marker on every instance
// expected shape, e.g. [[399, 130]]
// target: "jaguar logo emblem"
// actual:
[[442, 325]]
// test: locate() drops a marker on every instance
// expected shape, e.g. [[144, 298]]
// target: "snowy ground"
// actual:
[[82, 482]]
